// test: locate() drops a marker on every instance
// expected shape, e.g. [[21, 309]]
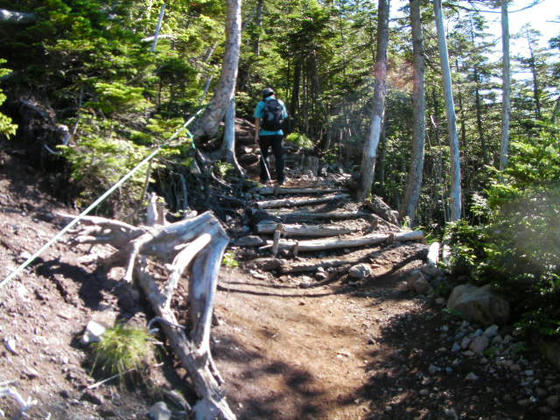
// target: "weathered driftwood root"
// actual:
[[198, 242], [367, 240]]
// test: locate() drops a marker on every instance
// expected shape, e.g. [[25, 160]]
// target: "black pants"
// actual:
[[265, 143]]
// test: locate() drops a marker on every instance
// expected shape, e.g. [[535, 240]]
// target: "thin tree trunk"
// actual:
[[479, 125], [367, 169], [506, 87], [536, 89], [455, 193], [229, 138], [419, 110], [210, 120]]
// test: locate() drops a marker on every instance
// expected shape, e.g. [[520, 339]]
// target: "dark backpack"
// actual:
[[272, 119]]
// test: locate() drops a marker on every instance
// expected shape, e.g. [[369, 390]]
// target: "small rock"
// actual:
[[93, 333], [465, 342], [257, 275], [456, 347], [250, 241], [479, 344], [360, 271], [160, 411], [10, 344], [92, 397], [31, 373], [491, 331], [451, 413], [471, 377]]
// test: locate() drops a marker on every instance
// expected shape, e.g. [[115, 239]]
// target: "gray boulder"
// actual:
[[479, 304], [360, 271]]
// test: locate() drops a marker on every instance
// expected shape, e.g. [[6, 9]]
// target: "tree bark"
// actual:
[[506, 87], [207, 125], [369, 156], [415, 173], [455, 193]]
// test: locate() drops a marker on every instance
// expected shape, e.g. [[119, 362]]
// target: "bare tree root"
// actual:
[[198, 243]]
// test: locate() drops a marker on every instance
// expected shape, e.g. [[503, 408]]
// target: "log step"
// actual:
[[327, 244], [289, 230], [277, 190], [270, 204]]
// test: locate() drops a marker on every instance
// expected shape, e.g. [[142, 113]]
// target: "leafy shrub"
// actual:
[[300, 140], [7, 128], [518, 250]]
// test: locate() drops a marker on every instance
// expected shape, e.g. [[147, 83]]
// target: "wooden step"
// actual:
[[290, 230], [277, 190], [363, 241], [290, 202]]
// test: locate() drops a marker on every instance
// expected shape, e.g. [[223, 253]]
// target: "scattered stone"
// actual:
[[416, 282], [92, 397], [479, 344], [10, 344], [257, 275], [491, 331], [160, 411], [360, 271], [471, 377], [31, 373], [465, 342], [93, 333]]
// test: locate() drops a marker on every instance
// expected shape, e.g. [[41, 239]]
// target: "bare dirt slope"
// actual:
[[289, 345]]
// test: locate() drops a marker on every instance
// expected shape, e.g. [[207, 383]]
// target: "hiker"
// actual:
[[270, 115]]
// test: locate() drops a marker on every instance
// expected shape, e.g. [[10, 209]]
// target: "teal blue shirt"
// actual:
[[259, 114]]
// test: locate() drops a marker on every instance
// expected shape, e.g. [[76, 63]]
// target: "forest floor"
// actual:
[[288, 347]]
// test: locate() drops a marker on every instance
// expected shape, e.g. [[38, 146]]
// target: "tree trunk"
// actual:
[[207, 125], [419, 110], [536, 89], [229, 138], [455, 193], [506, 87], [367, 168]]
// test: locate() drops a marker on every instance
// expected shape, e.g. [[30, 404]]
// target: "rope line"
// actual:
[[125, 178]]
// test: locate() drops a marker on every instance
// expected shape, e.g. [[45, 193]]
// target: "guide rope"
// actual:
[[120, 182]]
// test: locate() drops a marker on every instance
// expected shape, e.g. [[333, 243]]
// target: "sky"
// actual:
[[544, 17]]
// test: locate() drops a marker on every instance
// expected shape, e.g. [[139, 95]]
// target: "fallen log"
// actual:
[[269, 226], [198, 242], [367, 240], [289, 202]]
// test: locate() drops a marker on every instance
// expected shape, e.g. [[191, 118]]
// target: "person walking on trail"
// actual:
[[270, 115]]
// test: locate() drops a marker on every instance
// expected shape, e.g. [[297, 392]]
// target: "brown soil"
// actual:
[[288, 347]]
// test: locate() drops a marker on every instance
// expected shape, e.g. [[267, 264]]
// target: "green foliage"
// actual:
[[300, 140], [518, 249], [123, 349], [100, 158], [229, 260], [7, 128]]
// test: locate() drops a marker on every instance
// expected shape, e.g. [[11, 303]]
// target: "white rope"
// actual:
[[70, 225]]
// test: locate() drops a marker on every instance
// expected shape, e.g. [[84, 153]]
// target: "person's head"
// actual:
[[267, 92]]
